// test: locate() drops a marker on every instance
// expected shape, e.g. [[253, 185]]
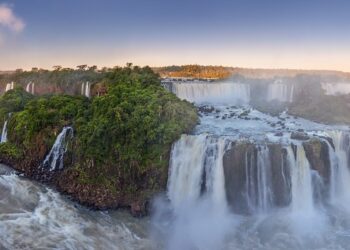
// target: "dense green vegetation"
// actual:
[[122, 139]]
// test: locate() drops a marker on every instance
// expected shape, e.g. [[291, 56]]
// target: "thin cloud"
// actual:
[[9, 20]]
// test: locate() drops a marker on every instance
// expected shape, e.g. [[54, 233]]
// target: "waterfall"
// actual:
[[216, 92], [4, 133], [263, 178], [196, 167], [9, 86], [54, 160], [301, 179], [280, 92], [30, 88], [85, 89], [336, 88], [340, 173], [258, 189]]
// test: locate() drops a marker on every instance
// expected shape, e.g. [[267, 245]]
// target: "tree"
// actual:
[[82, 67], [57, 67], [93, 68]]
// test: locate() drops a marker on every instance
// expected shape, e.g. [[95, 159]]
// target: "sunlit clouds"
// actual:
[[9, 20]]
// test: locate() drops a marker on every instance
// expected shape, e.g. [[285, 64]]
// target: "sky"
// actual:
[[298, 34]]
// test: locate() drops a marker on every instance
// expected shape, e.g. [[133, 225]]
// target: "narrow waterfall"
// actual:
[[263, 183], [4, 133], [217, 92], [280, 92], [30, 88], [340, 172], [9, 86], [195, 169], [258, 190], [54, 160], [85, 89], [336, 88]]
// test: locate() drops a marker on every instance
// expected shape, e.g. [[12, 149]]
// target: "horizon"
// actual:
[[243, 34], [180, 65]]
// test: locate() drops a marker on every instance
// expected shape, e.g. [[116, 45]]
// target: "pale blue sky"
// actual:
[[310, 34]]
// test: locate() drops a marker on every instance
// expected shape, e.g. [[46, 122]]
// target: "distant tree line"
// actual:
[[195, 71]]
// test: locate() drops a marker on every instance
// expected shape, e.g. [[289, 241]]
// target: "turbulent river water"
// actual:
[[268, 196]]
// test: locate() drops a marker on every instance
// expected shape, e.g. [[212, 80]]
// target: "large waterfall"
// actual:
[[196, 168], [230, 93], [54, 160], [280, 92], [241, 180], [4, 133], [219, 93], [248, 180]]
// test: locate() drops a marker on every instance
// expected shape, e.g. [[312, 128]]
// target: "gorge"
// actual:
[[252, 173]]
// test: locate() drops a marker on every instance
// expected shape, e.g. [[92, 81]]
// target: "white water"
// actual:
[[30, 88], [218, 92], [35, 217], [263, 180], [280, 92], [191, 157], [302, 188], [340, 172], [306, 222], [9, 86], [229, 93], [85, 89], [197, 214], [4, 133], [336, 88], [54, 160]]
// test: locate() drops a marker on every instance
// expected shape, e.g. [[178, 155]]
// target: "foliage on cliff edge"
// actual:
[[122, 139]]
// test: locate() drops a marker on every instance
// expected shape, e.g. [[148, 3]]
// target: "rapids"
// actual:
[[36, 217]]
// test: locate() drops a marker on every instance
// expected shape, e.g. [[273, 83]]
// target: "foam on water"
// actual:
[[35, 217]]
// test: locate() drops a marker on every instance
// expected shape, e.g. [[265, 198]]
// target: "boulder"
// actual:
[[299, 136]]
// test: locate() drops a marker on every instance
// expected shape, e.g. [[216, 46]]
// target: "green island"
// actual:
[[119, 153]]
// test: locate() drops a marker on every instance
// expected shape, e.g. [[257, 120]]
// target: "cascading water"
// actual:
[[9, 86], [340, 172], [4, 133], [278, 184], [301, 179], [280, 92], [336, 88], [218, 92], [196, 168], [85, 89], [54, 160], [258, 181], [239, 181], [30, 88]]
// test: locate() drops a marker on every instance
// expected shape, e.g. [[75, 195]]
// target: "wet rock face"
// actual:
[[234, 162], [242, 171], [318, 156], [299, 136], [280, 171], [206, 109]]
